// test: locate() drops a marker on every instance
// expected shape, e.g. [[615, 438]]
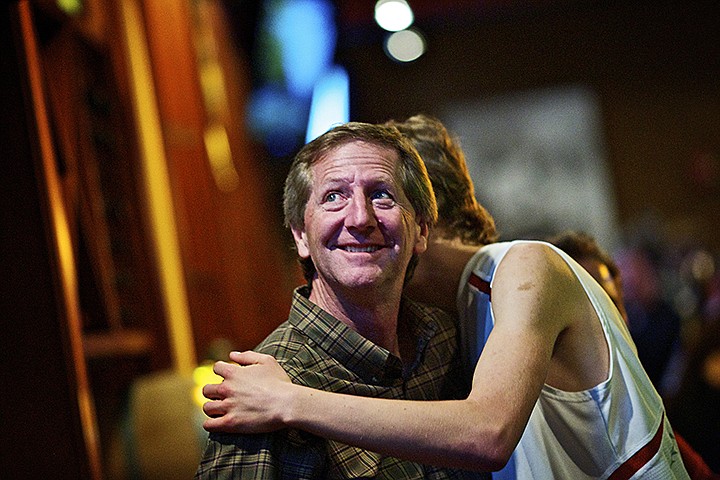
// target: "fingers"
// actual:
[[213, 424], [242, 359], [211, 391], [217, 422], [249, 357], [223, 368], [223, 425], [214, 409]]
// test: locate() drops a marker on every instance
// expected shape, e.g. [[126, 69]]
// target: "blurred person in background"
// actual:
[[696, 407], [653, 321]]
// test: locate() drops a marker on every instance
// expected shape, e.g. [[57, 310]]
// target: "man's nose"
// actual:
[[361, 213]]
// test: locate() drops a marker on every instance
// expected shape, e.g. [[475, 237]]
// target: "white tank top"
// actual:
[[578, 435]]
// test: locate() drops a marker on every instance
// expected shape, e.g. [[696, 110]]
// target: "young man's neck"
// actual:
[[438, 272]]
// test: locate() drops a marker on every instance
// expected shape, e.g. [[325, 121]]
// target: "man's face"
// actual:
[[360, 228]]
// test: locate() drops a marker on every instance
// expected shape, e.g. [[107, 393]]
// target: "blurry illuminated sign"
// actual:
[[299, 92]]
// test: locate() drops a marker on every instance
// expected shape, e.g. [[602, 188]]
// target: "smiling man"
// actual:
[[359, 204]]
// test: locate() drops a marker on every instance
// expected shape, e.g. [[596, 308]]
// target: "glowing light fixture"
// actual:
[[306, 34], [405, 46], [202, 375], [393, 15], [219, 154], [293, 60], [71, 7], [330, 103]]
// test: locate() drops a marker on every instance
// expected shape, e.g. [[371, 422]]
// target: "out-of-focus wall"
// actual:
[[654, 71]]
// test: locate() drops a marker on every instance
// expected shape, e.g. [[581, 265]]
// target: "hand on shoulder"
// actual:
[[249, 399]]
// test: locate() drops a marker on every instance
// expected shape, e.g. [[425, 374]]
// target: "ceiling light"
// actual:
[[393, 15], [405, 46]]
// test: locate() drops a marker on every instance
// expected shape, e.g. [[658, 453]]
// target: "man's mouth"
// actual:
[[358, 249]]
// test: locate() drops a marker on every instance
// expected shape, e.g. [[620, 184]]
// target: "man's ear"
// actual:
[[422, 238], [301, 242]]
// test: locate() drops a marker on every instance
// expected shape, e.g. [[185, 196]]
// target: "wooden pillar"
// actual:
[[48, 420]]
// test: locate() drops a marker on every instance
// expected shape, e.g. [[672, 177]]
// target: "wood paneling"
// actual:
[[49, 428]]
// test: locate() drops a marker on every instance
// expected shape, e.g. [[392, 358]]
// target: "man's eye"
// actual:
[[383, 198], [333, 201], [332, 197]]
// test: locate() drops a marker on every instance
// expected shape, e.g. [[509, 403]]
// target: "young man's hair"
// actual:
[[459, 213]]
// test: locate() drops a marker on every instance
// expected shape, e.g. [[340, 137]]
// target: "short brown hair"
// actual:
[[413, 175]]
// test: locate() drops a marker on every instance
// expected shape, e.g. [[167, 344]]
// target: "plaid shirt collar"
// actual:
[[374, 364]]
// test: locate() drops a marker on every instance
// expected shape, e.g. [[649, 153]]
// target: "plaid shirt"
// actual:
[[319, 351]]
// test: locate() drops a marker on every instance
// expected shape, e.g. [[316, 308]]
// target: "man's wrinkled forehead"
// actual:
[[340, 162], [357, 146]]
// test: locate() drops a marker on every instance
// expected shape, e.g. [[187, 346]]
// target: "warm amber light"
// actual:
[[157, 187], [217, 146], [71, 7], [202, 375]]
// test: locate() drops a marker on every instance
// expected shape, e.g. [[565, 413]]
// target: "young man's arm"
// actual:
[[530, 292]]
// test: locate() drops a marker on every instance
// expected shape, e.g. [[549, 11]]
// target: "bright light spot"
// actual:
[[711, 369], [703, 266], [330, 103], [71, 7], [393, 15], [217, 146], [405, 46], [202, 375]]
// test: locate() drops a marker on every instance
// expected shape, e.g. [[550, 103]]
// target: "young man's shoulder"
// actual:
[[535, 259]]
